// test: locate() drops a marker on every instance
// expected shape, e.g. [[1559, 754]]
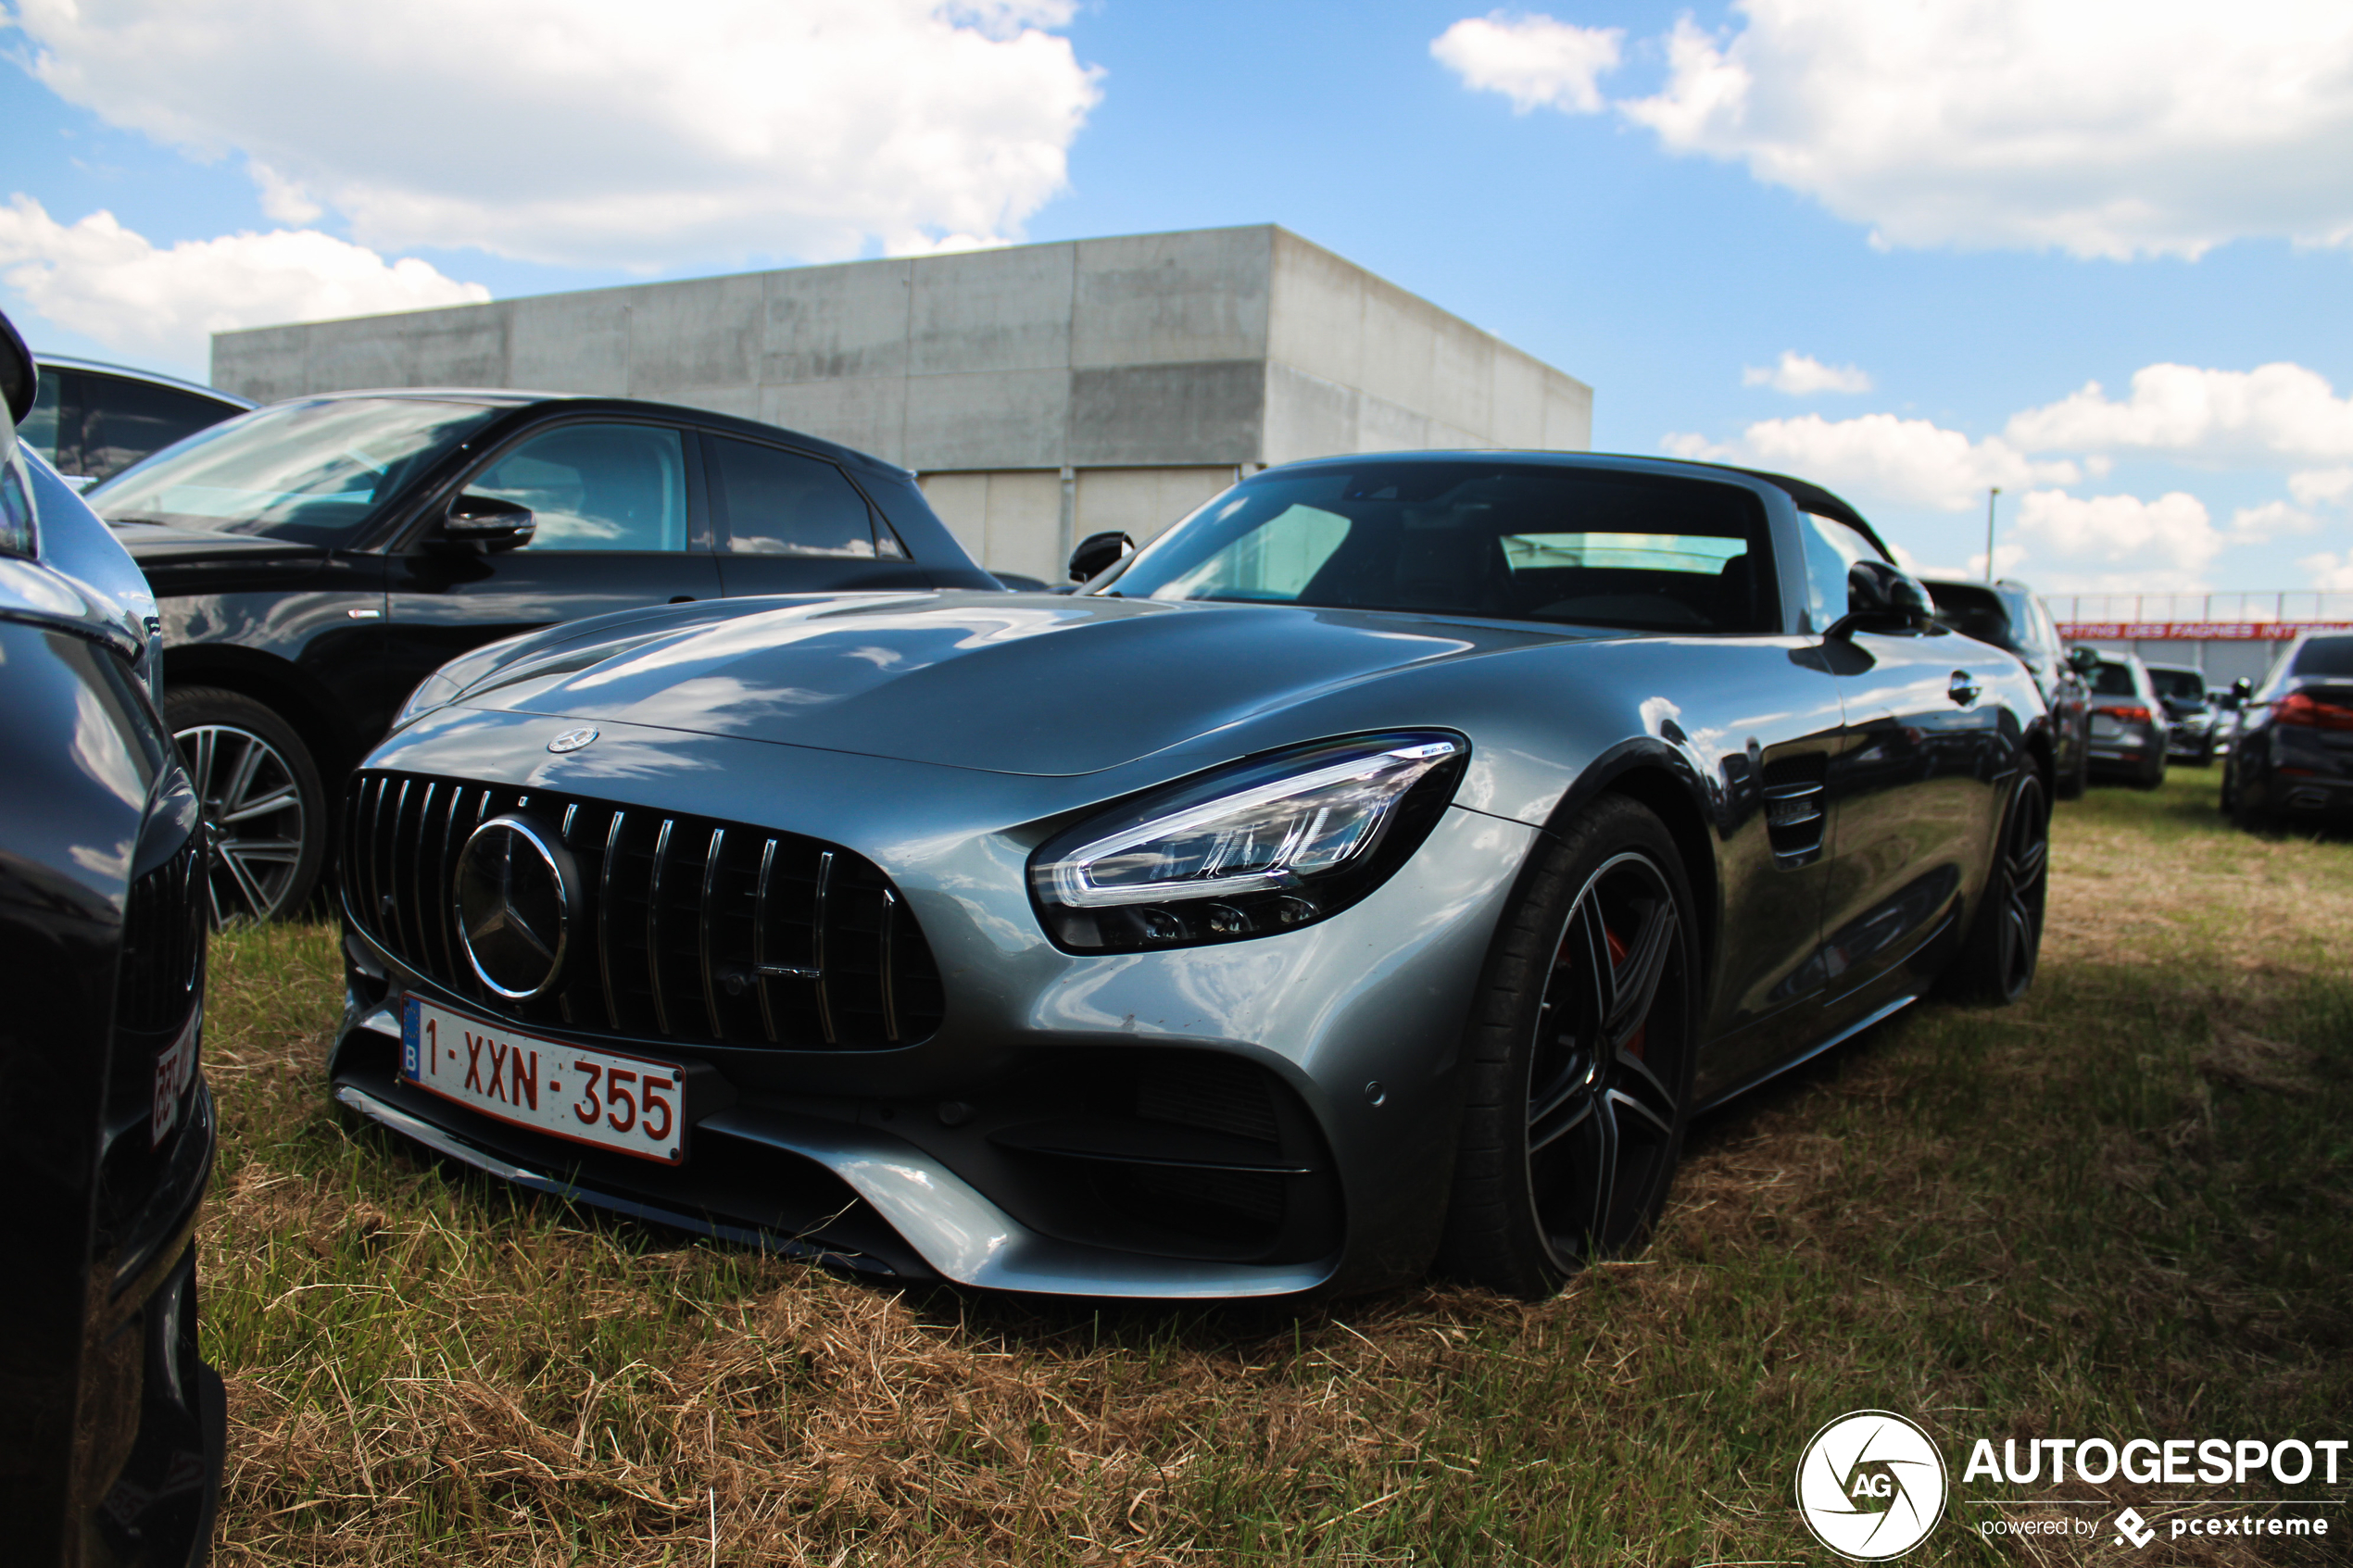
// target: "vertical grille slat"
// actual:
[[760, 942], [818, 910], [707, 937], [788, 942], [604, 918], [889, 998], [653, 925]]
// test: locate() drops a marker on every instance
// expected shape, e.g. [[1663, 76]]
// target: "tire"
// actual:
[[2153, 776], [1996, 963], [2079, 778], [1570, 1136], [265, 812]]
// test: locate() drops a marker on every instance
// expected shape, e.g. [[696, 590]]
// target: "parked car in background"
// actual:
[[110, 1447], [2191, 716], [316, 558], [2007, 615], [1411, 846], [94, 420], [2128, 726], [2291, 753]]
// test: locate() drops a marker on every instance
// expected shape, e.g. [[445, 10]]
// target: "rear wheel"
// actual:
[[265, 813], [1582, 1046], [2072, 784], [2004, 943]]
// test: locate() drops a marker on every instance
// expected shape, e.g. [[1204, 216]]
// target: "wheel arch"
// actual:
[[1662, 781], [280, 686]]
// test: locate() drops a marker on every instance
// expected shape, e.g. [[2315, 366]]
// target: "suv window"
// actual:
[[1830, 547], [2114, 680], [780, 503], [1976, 612], [2325, 656], [124, 421], [595, 487]]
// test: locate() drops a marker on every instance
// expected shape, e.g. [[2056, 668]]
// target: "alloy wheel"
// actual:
[[1606, 1076], [253, 815], [2026, 864]]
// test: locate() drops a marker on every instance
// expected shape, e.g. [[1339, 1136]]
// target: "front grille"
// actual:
[[693, 930], [163, 935]]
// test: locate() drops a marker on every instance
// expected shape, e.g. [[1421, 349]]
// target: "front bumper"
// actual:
[[1001, 1151]]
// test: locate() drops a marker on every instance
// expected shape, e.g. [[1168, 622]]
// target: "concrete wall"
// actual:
[[1151, 369]]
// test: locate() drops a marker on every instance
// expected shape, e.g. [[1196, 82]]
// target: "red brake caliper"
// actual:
[[1617, 951]]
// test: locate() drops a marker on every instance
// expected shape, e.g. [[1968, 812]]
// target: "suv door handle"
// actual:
[[1964, 688]]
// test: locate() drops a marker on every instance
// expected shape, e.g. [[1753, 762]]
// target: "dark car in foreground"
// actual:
[[2291, 756], [316, 558], [1410, 846], [93, 419], [2007, 615], [2192, 718], [2129, 724], [111, 1426]]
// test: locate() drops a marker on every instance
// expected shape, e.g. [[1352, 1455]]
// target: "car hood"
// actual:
[[160, 543], [1036, 684]]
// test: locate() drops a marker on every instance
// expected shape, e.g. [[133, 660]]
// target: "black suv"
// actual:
[[2007, 615], [111, 1439], [315, 559]]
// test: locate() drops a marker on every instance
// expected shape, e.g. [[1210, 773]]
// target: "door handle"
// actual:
[[1964, 688]]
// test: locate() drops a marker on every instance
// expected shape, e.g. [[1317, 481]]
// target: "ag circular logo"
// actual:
[[516, 891], [1871, 1485], [571, 740]]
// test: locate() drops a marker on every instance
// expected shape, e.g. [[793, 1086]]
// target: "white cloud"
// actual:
[[2272, 412], [2331, 572], [1801, 375], [2109, 544], [595, 131], [2317, 486], [97, 278], [1879, 459], [1532, 60], [2111, 128], [2258, 525]]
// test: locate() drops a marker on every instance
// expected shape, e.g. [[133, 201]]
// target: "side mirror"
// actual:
[[20, 382], [1881, 597], [2242, 692], [486, 522], [1097, 554], [2084, 661]]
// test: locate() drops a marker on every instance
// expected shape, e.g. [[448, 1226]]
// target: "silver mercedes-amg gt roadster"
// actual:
[[1375, 872]]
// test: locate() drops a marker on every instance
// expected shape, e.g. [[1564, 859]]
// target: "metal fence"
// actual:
[[2294, 604]]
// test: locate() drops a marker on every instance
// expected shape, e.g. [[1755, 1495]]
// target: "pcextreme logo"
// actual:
[[1870, 1486]]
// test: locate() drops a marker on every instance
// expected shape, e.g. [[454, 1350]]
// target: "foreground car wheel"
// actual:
[[264, 811], [1581, 1049], [2004, 943]]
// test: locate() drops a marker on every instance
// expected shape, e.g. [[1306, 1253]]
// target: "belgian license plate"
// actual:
[[608, 1099]]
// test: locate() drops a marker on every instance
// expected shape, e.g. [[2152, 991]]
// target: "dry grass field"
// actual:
[[2123, 1208]]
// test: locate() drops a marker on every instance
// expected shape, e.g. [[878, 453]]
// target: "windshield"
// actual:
[[2179, 686], [312, 471], [1497, 539], [1974, 612], [2114, 680]]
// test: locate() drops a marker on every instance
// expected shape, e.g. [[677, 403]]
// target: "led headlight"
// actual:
[[1264, 846]]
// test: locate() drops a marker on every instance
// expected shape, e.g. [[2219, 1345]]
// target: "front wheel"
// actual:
[[265, 813], [2004, 943], [1581, 1044]]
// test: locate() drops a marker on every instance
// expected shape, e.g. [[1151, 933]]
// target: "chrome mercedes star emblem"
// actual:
[[571, 740], [515, 893]]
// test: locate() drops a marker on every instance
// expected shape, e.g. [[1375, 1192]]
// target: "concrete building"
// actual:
[[1044, 392], [2229, 636]]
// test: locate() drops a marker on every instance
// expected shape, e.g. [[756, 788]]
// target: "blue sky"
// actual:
[[1974, 210]]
